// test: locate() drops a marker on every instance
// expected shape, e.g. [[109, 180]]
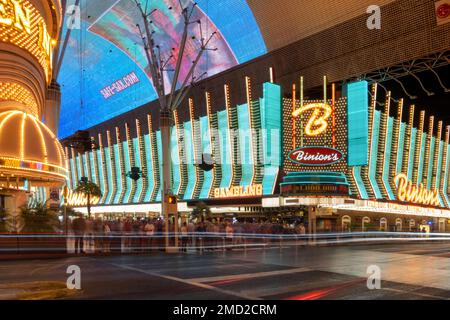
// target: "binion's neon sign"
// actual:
[[409, 192], [317, 122]]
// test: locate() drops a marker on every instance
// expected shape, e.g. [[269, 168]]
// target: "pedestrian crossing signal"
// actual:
[[172, 199]]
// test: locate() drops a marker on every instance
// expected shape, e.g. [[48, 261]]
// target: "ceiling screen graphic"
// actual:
[[108, 47]]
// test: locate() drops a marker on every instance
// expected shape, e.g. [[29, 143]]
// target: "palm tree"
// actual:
[[37, 217], [3, 215], [90, 189], [201, 211]]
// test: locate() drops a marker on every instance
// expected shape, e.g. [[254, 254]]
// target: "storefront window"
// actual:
[[346, 222], [365, 223], [398, 224], [383, 224]]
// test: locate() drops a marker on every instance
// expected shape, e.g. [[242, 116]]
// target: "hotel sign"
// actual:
[[22, 25], [239, 191], [315, 156], [76, 199], [409, 192], [317, 123]]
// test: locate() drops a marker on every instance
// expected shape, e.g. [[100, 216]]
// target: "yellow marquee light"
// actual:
[[22, 25], [317, 122], [18, 15], [15, 92], [408, 192]]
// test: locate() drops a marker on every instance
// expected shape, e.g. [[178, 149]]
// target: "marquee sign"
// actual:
[[22, 25], [317, 122], [76, 199], [315, 156], [409, 192], [239, 191]]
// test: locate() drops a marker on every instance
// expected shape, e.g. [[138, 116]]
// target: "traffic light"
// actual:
[[172, 200]]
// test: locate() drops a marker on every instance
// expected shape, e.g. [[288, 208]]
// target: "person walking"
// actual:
[[107, 238], [89, 235], [98, 234], [149, 233], [229, 235], [79, 227], [184, 237]]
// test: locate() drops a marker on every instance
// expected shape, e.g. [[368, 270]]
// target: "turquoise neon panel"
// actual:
[[360, 183], [439, 167], [388, 157], [77, 163], [176, 178], [358, 123], [159, 145], [411, 153], [118, 174], [446, 176], [271, 125], [84, 164], [100, 171], [92, 166], [401, 143], [206, 147], [149, 163], [374, 151], [128, 181], [245, 145], [430, 163], [109, 171], [138, 163], [421, 158], [225, 152], [72, 172], [189, 149]]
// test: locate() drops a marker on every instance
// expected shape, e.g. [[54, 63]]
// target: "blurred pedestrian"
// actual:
[[107, 238], [149, 230], [79, 227], [184, 237]]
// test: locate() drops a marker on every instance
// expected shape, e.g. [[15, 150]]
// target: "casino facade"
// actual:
[[316, 117], [31, 157], [339, 162]]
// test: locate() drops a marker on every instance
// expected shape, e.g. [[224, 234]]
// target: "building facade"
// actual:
[[337, 163], [31, 157]]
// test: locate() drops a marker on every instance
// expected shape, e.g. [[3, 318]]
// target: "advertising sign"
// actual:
[[315, 156]]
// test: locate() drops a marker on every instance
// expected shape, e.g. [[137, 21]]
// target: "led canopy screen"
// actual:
[[105, 72]]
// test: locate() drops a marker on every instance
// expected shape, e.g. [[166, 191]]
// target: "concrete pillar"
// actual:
[[52, 107]]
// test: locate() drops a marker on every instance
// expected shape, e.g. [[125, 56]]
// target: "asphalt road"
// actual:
[[408, 271]]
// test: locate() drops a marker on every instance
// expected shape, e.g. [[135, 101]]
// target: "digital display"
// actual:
[[109, 46]]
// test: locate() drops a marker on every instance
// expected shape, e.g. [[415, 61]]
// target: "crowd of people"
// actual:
[[143, 234]]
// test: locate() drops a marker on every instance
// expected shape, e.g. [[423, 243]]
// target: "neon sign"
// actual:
[[317, 122], [239, 191], [19, 18], [408, 192], [315, 156], [22, 25], [76, 199]]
